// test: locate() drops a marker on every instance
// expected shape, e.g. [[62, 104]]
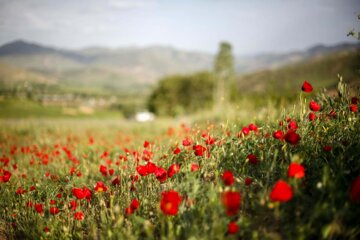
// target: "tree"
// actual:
[[224, 74]]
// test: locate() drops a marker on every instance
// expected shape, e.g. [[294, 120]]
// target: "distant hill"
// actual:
[[10, 75], [124, 69], [321, 70]]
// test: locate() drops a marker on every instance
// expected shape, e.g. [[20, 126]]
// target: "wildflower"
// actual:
[[199, 150], [306, 87], [245, 131], [253, 127], [292, 125], [186, 142], [6, 176], [20, 191], [231, 201], [292, 137], [116, 181], [39, 208], [161, 174], [327, 148], [355, 190], [103, 170], [232, 228], [314, 106], [146, 144], [353, 108], [278, 134], [173, 169], [150, 167], [73, 205], [79, 216], [194, 167], [177, 151], [54, 210], [100, 187], [248, 181], [228, 178], [312, 116], [281, 192], [252, 159], [354, 100], [170, 202], [142, 170], [296, 170]]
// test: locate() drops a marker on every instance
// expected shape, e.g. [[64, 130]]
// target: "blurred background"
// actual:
[[141, 60]]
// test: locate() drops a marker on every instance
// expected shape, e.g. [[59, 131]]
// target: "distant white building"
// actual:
[[144, 116]]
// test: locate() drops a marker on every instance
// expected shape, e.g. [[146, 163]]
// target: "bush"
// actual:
[[182, 94]]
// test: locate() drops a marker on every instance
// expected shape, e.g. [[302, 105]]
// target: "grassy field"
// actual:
[[289, 176]]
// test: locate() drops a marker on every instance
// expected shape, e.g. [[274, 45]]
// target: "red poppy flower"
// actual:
[[186, 142], [292, 137], [79, 216], [332, 113], [73, 205], [228, 178], [173, 169], [39, 208], [100, 187], [161, 174], [232, 228], [296, 170], [312, 116], [54, 210], [306, 87], [150, 167], [199, 150], [245, 131], [103, 170], [248, 181], [355, 190], [5, 177], [354, 100], [116, 181], [177, 150], [353, 108], [20, 191], [210, 140], [142, 170], [281, 192], [46, 229], [278, 134], [292, 125], [82, 193], [314, 106], [327, 148], [111, 171], [134, 204], [252, 127], [231, 201], [252, 159], [194, 167], [146, 144], [170, 202]]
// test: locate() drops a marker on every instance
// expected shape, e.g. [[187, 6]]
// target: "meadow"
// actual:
[[294, 177]]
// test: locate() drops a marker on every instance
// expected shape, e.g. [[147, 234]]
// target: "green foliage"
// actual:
[[182, 94]]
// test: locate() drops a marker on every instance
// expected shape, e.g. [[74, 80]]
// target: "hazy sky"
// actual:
[[252, 26]]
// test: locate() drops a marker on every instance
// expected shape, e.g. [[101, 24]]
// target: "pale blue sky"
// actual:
[[252, 26]]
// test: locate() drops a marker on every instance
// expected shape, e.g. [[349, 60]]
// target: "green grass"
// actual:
[[15, 108]]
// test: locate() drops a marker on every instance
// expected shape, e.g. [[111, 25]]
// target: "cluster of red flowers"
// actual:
[[282, 191]]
